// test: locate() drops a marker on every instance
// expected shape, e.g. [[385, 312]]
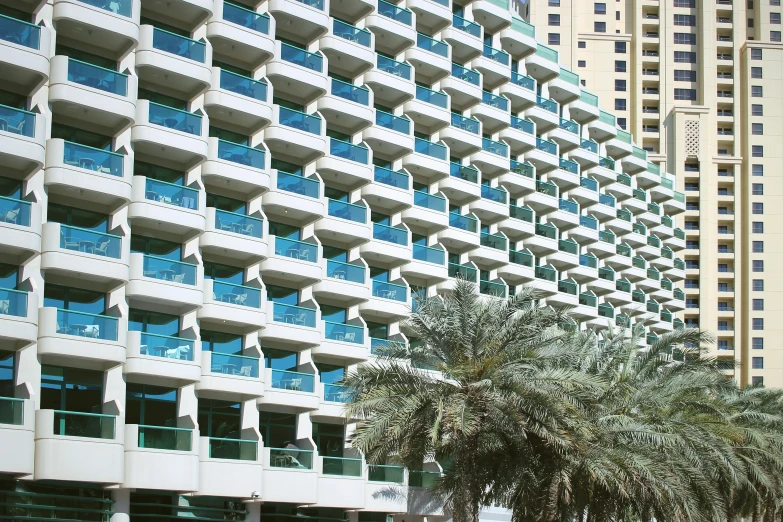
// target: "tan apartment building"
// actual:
[[698, 83]]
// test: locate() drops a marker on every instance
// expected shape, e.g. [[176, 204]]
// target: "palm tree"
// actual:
[[501, 379]]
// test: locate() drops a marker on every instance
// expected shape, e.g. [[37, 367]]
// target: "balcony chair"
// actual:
[[178, 278], [10, 216], [91, 330], [246, 371], [294, 384], [5, 306], [102, 248], [350, 337], [68, 243]]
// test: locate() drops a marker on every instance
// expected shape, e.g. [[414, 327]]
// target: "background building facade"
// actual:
[[210, 211], [697, 82]]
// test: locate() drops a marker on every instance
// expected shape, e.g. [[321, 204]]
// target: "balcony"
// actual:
[[390, 192], [429, 160], [566, 135], [429, 108], [493, 112], [464, 86], [520, 180], [493, 64], [462, 233], [96, 341], [428, 263], [493, 158], [393, 25], [546, 280], [173, 61], [166, 282], [347, 165], [344, 282], [493, 15], [392, 135], [544, 199], [230, 376], [296, 134], [341, 483], [543, 64], [463, 137], [521, 91], [520, 268], [585, 109], [239, 306], [25, 50], [621, 146], [428, 212], [79, 447], [345, 223], [246, 34], [174, 208], [431, 58], [22, 138], [174, 361], [388, 301], [544, 114], [520, 135], [544, 157], [298, 72], [17, 425], [160, 457], [170, 134], [18, 320], [520, 223], [237, 166], [519, 38], [347, 343], [299, 260], [464, 37], [238, 100], [88, 254], [20, 226], [227, 466], [492, 206], [291, 325], [604, 128], [492, 251], [565, 87], [111, 94], [348, 104], [389, 245], [348, 48], [391, 81], [289, 475], [310, 17]]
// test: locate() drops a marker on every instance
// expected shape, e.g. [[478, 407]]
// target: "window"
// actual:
[[581, 63], [619, 85], [692, 245], [774, 3], [758, 265], [757, 151], [621, 122], [757, 91], [685, 38], [758, 247], [684, 57], [758, 208], [758, 285], [684, 76], [619, 47], [692, 264], [692, 205], [750, 4], [617, 16], [684, 94], [756, 54], [774, 18], [758, 323], [582, 45], [757, 363], [619, 104], [758, 305], [757, 129], [691, 283], [685, 3], [692, 187], [684, 20], [758, 227], [583, 82], [757, 381], [723, 345], [600, 8], [553, 39], [757, 110], [750, 22], [599, 27], [755, 72], [554, 3], [619, 66], [554, 19], [774, 36], [758, 343], [691, 303]]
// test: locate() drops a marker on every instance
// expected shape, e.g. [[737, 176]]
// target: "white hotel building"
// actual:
[[209, 211]]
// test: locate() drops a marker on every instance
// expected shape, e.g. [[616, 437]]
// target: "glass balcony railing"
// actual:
[[607, 236], [465, 74], [653, 241], [169, 270], [82, 424], [587, 260], [639, 262], [336, 393], [232, 364], [467, 124], [429, 254], [430, 201], [494, 147], [386, 346], [497, 55], [166, 346], [569, 77], [588, 222], [298, 184], [623, 321], [653, 274], [343, 467], [654, 208], [242, 85], [181, 46], [623, 285], [390, 291], [233, 449], [342, 332], [430, 148], [399, 14], [392, 178], [244, 17], [567, 246], [546, 187], [589, 98], [667, 183], [549, 147], [492, 288], [295, 381], [679, 233], [624, 179], [17, 121], [546, 104], [174, 119], [236, 294], [437, 98], [523, 213], [639, 228], [13, 302], [679, 264], [523, 81], [624, 214], [570, 126], [652, 306], [351, 33], [521, 258], [391, 66], [605, 310], [297, 56], [295, 315], [171, 194], [640, 195], [165, 438], [345, 271], [589, 145], [493, 100], [349, 151], [299, 120], [638, 152], [11, 410], [494, 194], [525, 169], [679, 197], [667, 253], [666, 284], [547, 273], [605, 117], [624, 136], [586, 299], [569, 166], [398, 236], [463, 222], [494, 241], [472, 28], [679, 294], [546, 52], [296, 249], [431, 44], [569, 206], [465, 272], [623, 250], [423, 479], [349, 211], [19, 32], [349, 91], [523, 125], [90, 241], [241, 154], [606, 199], [96, 160], [317, 4], [589, 183], [523, 27], [100, 78], [290, 458], [654, 168], [390, 121], [386, 473], [82, 324], [15, 211], [606, 163]]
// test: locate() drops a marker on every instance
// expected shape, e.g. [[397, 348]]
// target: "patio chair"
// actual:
[[350, 337], [301, 319], [102, 248], [240, 299], [247, 229], [68, 243], [178, 278], [294, 384], [5, 306], [92, 330], [151, 273], [304, 255], [246, 371], [391, 294], [10, 216], [63, 329], [225, 225]]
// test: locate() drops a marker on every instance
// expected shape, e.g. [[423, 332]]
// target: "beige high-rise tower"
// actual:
[[698, 83]]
